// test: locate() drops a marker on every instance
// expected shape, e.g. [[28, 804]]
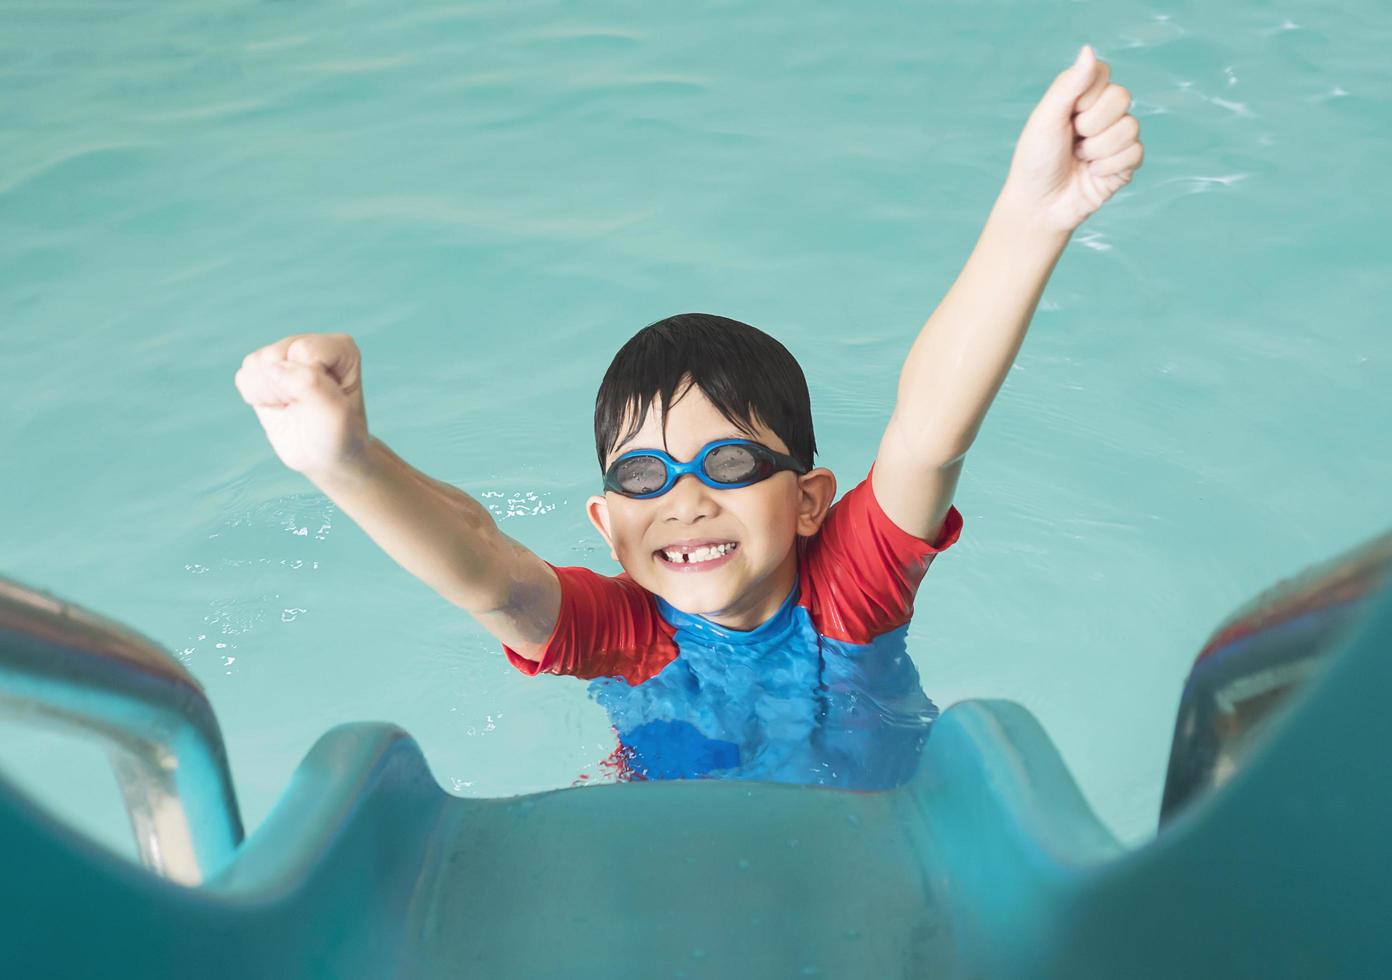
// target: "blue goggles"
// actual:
[[724, 464]]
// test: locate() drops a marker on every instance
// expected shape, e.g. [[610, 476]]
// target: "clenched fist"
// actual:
[[1079, 146], [307, 392]]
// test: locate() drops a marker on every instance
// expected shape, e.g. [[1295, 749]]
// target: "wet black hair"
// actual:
[[747, 375]]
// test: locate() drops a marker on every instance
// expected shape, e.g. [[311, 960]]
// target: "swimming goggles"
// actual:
[[724, 464]]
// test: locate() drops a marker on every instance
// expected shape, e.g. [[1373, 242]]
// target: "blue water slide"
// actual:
[[1272, 859]]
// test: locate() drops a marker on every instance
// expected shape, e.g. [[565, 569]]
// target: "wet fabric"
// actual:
[[779, 703]]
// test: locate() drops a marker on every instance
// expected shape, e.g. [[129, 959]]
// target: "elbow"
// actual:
[[929, 447]]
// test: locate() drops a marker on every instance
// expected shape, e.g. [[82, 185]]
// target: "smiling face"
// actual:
[[727, 555]]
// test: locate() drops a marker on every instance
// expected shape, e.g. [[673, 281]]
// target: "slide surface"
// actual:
[[987, 864]]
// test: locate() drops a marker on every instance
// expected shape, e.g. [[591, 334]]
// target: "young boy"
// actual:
[[757, 630]]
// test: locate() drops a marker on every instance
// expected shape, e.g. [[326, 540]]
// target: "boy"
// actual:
[[757, 630]]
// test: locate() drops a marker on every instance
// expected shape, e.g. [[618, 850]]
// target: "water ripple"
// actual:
[[218, 110], [358, 66], [439, 211]]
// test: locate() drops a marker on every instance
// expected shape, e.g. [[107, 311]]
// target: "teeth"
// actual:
[[699, 555]]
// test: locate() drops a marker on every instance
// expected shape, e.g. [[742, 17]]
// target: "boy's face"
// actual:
[[746, 586]]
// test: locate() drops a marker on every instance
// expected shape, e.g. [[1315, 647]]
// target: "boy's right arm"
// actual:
[[307, 393]]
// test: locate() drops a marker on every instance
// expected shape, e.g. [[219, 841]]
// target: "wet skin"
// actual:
[[745, 587]]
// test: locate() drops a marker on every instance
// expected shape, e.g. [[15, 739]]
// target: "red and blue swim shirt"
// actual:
[[824, 692]]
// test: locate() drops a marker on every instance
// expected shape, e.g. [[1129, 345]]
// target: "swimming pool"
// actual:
[[492, 198]]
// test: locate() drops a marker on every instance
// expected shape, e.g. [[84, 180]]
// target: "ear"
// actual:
[[597, 510], [817, 489]]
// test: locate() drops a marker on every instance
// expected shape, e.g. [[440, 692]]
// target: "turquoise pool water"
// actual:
[[492, 197]]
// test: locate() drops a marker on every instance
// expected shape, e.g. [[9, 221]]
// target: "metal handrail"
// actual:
[[1258, 658], [63, 665]]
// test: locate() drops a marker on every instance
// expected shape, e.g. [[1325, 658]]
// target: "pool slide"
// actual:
[[1273, 857]]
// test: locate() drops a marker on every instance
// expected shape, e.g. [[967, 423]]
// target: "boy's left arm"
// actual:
[[1077, 149]]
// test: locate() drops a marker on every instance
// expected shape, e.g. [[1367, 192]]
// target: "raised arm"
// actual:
[[1078, 147], [307, 393]]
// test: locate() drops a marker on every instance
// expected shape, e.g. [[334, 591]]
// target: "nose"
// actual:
[[688, 501]]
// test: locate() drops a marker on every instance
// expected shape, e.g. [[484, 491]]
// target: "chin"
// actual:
[[700, 601]]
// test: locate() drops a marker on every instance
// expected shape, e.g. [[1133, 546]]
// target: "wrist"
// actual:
[[1024, 218], [359, 464]]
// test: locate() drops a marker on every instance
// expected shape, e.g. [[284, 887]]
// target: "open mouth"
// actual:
[[694, 558]]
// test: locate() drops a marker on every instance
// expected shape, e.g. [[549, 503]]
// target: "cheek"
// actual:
[[772, 517], [627, 529]]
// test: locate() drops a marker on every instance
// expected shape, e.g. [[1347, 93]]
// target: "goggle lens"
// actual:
[[732, 464], [641, 474]]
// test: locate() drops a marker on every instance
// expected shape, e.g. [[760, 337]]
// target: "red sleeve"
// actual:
[[859, 573], [606, 627]]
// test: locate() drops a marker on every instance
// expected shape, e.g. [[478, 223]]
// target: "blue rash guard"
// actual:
[[823, 692]]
